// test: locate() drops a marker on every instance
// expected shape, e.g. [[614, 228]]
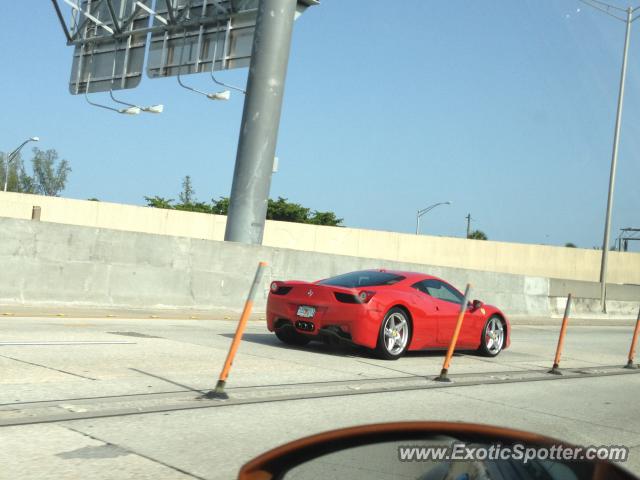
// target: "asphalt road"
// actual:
[[115, 398]]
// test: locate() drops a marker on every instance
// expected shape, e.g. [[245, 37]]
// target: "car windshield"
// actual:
[[363, 279]]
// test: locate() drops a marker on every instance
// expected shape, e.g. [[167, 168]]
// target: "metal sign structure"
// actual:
[[211, 36], [109, 52], [193, 36], [626, 235], [186, 36]]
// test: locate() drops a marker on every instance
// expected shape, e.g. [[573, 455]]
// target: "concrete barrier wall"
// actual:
[[621, 299], [519, 259], [114, 216], [54, 264], [591, 290]]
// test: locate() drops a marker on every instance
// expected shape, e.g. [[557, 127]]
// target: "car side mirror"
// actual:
[[477, 304], [389, 447]]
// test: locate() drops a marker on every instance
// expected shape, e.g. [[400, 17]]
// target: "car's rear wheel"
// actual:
[[395, 332], [493, 336], [289, 336]]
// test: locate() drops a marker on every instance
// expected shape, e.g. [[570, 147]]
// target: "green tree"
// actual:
[[200, 207], [280, 209], [188, 201], [477, 235], [18, 181], [159, 202], [26, 183], [187, 196], [325, 218], [49, 174], [220, 206], [286, 211], [570, 245], [15, 167]]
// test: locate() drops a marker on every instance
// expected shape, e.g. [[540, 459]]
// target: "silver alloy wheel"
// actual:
[[494, 335], [396, 333]]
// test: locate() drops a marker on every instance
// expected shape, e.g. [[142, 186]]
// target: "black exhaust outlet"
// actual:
[[306, 326]]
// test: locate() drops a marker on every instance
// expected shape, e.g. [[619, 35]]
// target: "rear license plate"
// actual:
[[306, 312]]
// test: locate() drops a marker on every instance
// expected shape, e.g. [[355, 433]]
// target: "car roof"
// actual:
[[404, 273]]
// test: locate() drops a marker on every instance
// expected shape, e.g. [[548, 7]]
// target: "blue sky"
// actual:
[[506, 108]]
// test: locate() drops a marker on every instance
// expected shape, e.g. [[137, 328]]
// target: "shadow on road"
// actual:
[[344, 350], [270, 340]]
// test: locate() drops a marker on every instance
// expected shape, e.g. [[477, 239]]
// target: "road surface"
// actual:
[[118, 398]]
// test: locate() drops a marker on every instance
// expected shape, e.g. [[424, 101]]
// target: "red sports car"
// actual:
[[389, 311]]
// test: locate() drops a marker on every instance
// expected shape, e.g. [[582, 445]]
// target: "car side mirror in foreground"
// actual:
[[477, 304], [436, 451]]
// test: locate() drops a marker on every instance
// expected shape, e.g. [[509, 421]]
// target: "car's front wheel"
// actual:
[[493, 336], [291, 337], [395, 332]]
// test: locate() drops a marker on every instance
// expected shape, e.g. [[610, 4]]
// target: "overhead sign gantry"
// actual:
[[111, 38]]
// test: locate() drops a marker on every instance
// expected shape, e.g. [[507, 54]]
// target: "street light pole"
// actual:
[[420, 213], [614, 161], [11, 156]]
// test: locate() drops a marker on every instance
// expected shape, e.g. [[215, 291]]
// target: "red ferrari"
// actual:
[[385, 310]]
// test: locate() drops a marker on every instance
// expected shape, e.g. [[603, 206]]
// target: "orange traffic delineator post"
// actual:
[[219, 392], [452, 345], [563, 332], [634, 341]]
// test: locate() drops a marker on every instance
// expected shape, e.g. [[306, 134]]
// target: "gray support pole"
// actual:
[[260, 121], [614, 161], [6, 172]]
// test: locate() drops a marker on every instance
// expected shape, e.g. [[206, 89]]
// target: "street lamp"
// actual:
[[136, 109], [628, 19], [224, 95], [427, 210], [131, 110], [12, 155]]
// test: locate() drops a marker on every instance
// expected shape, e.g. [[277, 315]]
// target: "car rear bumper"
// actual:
[[354, 323]]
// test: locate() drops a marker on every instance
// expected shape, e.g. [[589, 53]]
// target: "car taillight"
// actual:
[[346, 297], [365, 296], [362, 297], [278, 289]]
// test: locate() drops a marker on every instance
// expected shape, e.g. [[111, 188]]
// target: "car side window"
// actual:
[[440, 290], [420, 287]]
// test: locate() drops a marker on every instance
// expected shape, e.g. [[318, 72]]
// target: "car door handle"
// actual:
[[437, 308]]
